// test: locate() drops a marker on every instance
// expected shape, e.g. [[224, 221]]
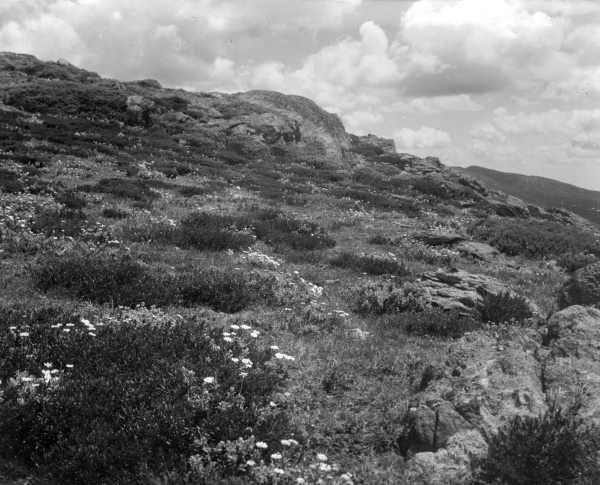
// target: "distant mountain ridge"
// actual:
[[541, 191]]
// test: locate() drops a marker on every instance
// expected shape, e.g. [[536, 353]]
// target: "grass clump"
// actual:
[[370, 264], [59, 222], [211, 232], [557, 448], [131, 401], [114, 213], [120, 279], [505, 307], [442, 324], [535, 239], [136, 190]]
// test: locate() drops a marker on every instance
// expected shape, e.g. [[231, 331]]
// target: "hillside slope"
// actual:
[[541, 191], [231, 289]]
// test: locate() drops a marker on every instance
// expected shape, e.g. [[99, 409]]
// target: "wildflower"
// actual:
[[274, 347], [235, 327], [262, 445], [91, 334], [246, 327], [300, 480], [70, 325], [289, 442], [226, 334], [228, 339], [235, 360], [13, 328], [279, 471], [247, 362], [243, 374], [324, 467], [321, 457], [69, 366], [287, 394], [85, 321], [272, 404], [209, 380], [251, 463], [48, 364], [276, 456], [66, 330], [24, 334], [255, 334]]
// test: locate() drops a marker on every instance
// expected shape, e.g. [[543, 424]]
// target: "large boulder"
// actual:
[[452, 465], [460, 290], [583, 288], [572, 368]]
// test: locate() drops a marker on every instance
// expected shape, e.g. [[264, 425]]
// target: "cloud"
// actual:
[[470, 46], [487, 132], [424, 137], [434, 105]]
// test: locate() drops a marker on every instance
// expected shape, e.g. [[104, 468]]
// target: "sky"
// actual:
[[512, 85]]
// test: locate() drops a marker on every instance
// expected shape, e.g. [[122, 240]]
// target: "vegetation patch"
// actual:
[[120, 279], [556, 448], [129, 402], [137, 190], [534, 239], [505, 307], [441, 324], [370, 264]]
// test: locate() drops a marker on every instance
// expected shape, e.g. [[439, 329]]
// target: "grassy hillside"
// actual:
[[194, 294], [541, 191]]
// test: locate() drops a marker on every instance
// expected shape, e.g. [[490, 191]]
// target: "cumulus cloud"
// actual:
[[424, 137]]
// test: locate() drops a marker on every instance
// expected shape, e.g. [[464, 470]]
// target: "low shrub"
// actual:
[[120, 279], [558, 447], [71, 200], [114, 213], [443, 324], [59, 222], [380, 200], [534, 239], [137, 190], [505, 307], [277, 228], [370, 264], [571, 262], [211, 232], [10, 182], [122, 402], [380, 240], [382, 298]]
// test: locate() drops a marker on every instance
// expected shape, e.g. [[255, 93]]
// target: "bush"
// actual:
[[535, 239], [439, 323], [113, 213], [382, 298], [275, 228], [371, 264], [59, 222], [137, 190], [10, 182], [120, 279], [556, 448], [505, 307], [71, 200], [116, 403], [211, 232], [571, 262]]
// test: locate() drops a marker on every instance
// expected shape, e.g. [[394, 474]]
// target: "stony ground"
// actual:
[[367, 317]]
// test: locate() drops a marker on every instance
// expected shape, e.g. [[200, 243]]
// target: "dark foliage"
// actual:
[[375, 265], [505, 307], [132, 400], [573, 261], [113, 213], [211, 232], [557, 448], [534, 239], [380, 200], [10, 182], [71, 200], [120, 279], [137, 190], [61, 222], [442, 324]]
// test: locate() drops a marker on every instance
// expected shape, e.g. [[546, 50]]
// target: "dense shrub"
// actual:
[[439, 323], [10, 182], [582, 288], [381, 298], [71, 200], [120, 279], [115, 403], [276, 228], [211, 232], [59, 222], [370, 264], [505, 307], [114, 213], [557, 448], [534, 239], [380, 240], [137, 190], [573, 261]]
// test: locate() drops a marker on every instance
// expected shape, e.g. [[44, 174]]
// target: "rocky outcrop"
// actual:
[[459, 290], [572, 366], [478, 250], [583, 288], [440, 239], [452, 465], [490, 378]]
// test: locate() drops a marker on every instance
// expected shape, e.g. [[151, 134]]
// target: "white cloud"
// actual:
[[487, 132], [424, 137], [434, 105]]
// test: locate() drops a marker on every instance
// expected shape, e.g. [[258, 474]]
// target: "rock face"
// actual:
[[477, 250], [491, 377], [450, 466], [572, 368], [583, 288], [460, 290]]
